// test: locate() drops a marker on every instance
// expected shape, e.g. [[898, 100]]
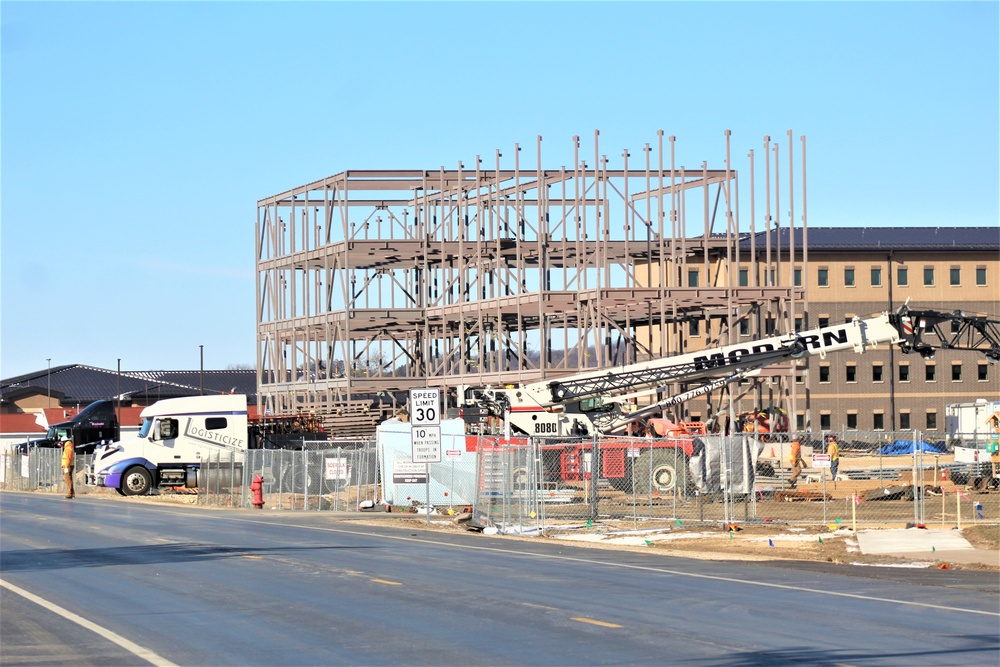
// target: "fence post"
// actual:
[[916, 494]]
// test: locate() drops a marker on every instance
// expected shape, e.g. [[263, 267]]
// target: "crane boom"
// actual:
[[581, 403]]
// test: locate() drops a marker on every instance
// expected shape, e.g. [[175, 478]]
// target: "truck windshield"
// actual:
[[147, 423]]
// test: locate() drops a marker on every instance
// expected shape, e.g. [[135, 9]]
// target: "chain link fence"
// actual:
[[543, 484], [540, 484]]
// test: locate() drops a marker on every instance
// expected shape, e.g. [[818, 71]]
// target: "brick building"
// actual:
[[862, 272]]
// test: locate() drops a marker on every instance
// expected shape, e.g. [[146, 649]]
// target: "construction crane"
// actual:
[[601, 401]]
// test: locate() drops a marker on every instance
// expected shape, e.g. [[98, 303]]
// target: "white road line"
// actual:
[[129, 646], [626, 566]]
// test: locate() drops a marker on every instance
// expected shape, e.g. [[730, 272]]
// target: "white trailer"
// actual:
[[965, 423]]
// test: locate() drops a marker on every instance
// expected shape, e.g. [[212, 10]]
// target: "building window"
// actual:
[[930, 373], [693, 278], [694, 327], [744, 327], [956, 372], [824, 373], [955, 276], [931, 420], [800, 422], [878, 421], [798, 323], [695, 416], [797, 277], [852, 373], [877, 372], [902, 277], [744, 277], [852, 420], [824, 422], [904, 420], [849, 276], [824, 321], [904, 373], [981, 276], [928, 276], [823, 279], [799, 378], [956, 326], [876, 276], [982, 372], [848, 317], [769, 325]]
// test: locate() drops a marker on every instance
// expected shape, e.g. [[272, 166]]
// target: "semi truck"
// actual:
[[179, 435], [575, 411], [96, 423]]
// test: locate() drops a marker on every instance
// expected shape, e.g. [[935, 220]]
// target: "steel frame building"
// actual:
[[370, 282]]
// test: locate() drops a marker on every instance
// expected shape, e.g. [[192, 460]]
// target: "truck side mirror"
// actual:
[[168, 429]]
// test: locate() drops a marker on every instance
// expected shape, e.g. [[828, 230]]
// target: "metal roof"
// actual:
[[927, 239], [82, 384]]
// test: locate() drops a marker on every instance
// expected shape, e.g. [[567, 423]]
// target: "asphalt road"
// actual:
[[115, 582]]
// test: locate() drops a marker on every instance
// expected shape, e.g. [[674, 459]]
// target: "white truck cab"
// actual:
[[177, 436]]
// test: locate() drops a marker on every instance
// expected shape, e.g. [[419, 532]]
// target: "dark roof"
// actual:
[[77, 383], [853, 239]]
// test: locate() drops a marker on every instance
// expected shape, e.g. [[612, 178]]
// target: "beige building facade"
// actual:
[[854, 272]]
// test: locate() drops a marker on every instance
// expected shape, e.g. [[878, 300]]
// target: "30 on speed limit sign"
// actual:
[[425, 407]]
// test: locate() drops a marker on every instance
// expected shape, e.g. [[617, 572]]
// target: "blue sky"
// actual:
[[138, 137]]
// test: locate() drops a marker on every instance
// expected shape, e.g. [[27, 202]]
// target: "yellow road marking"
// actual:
[[387, 582], [251, 556], [603, 624]]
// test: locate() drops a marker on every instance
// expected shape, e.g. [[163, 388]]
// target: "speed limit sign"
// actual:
[[425, 407]]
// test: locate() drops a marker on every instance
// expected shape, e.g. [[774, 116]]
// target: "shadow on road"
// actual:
[[974, 645], [56, 559]]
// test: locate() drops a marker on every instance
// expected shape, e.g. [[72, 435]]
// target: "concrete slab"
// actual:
[[910, 541]]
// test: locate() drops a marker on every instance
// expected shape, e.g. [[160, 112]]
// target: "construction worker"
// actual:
[[833, 449], [797, 463], [67, 466]]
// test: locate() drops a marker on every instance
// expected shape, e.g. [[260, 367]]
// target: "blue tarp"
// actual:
[[909, 446]]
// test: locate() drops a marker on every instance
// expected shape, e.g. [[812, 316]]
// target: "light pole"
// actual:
[[48, 384], [201, 373], [118, 414]]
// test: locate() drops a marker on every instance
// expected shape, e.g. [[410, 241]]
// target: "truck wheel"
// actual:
[[136, 481], [519, 477], [623, 483], [668, 471], [296, 479]]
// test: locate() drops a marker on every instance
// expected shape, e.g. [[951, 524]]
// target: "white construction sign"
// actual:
[[426, 444], [821, 461], [425, 418], [425, 407]]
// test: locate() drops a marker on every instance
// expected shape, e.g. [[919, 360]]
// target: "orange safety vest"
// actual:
[[796, 452]]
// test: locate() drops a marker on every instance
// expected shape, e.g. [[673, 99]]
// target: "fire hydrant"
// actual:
[[257, 486]]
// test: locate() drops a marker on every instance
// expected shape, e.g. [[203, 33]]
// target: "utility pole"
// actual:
[[48, 384], [118, 412], [892, 355], [201, 373]]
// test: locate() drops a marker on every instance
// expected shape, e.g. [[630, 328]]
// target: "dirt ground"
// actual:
[[745, 543]]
